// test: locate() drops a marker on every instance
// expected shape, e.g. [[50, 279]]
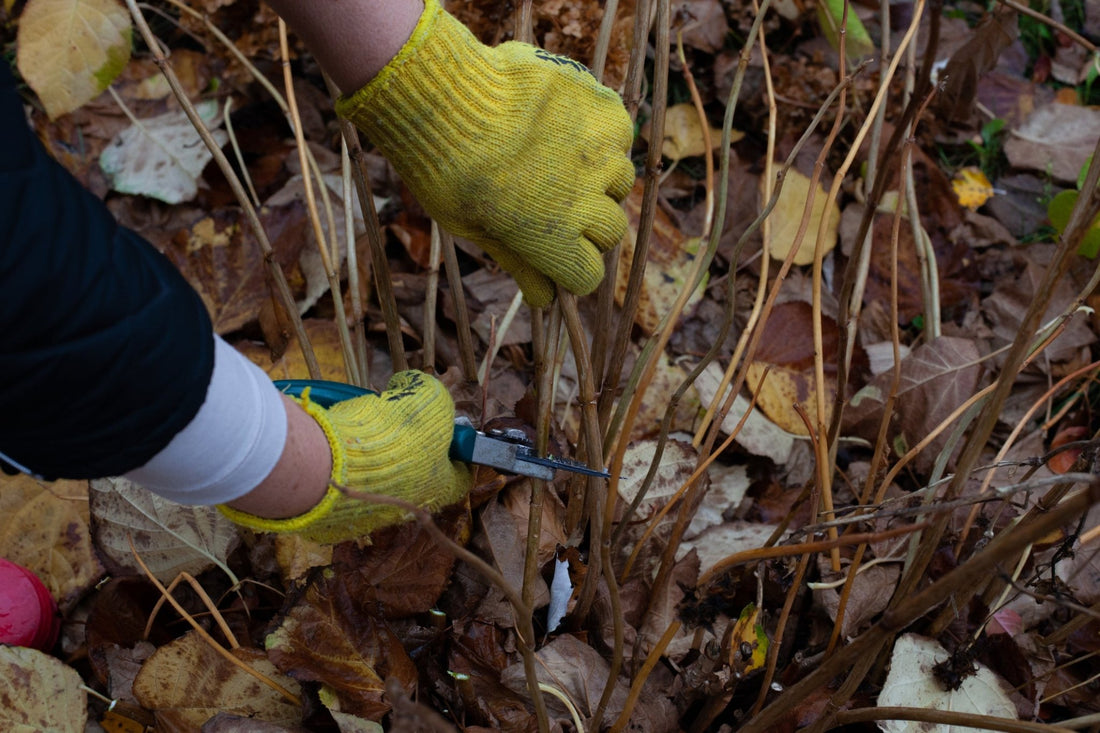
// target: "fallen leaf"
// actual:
[[186, 683], [404, 570], [936, 378], [580, 673], [69, 51], [719, 542], [782, 374], [44, 528], [684, 133], [325, 339], [972, 187], [170, 538], [759, 435], [1055, 140], [162, 157], [678, 461], [748, 642], [870, 594], [911, 683], [326, 636], [40, 693], [786, 218]]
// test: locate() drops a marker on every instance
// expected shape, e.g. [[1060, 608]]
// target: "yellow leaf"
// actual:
[[972, 187], [748, 642], [781, 391], [69, 51], [684, 133], [787, 215]]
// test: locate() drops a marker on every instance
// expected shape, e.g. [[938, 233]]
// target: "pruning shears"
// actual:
[[505, 450]]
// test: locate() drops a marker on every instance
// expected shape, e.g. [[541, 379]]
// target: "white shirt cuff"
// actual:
[[230, 446]]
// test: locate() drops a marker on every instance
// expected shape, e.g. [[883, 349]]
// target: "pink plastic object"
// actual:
[[28, 614]]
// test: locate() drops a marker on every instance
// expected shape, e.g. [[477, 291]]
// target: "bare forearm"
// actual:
[[301, 476], [351, 39]]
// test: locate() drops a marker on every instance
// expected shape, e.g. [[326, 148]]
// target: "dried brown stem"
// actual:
[[278, 279]]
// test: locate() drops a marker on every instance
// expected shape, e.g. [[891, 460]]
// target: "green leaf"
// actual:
[[1059, 210], [830, 14], [69, 51]]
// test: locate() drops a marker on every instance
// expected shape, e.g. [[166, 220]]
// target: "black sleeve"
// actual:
[[107, 351]]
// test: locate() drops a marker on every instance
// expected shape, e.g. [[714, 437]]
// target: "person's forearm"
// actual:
[[300, 478], [352, 40]]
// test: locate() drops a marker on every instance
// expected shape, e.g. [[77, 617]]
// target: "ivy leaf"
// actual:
[[69, 51]]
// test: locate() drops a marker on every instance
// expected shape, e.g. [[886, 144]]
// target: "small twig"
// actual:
[[639, 680], [203, 634], [948, 718], [462, 313], [206, 601], [1052, 23], [237, 150], [431, 297]]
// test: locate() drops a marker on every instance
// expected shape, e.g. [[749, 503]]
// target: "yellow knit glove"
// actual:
[[520, 151], [395, 444]]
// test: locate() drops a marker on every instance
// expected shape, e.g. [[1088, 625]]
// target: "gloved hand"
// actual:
[[395, 444], [520, 151]]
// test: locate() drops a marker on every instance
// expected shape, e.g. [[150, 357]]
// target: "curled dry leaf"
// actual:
[[44, 528], [580, 673], [170, 538], [186, 682], [40, 693]]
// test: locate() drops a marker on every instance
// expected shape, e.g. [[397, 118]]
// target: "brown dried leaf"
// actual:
[[935, 379], [870, 594], [170, 538], [580, 672], [44, 528], [507, 540], [40, 693], [782, 375], [404, 570], [996, 32], [1012, 296], [186, 683], [219, 256], [328, 636], [1057, 139]]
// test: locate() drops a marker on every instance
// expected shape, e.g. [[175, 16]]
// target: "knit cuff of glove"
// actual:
[[317, 524]]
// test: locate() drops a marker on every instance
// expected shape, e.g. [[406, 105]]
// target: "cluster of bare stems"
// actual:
[[608, 405]]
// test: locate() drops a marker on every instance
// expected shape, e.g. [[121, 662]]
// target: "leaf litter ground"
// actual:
[[403, 633]]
